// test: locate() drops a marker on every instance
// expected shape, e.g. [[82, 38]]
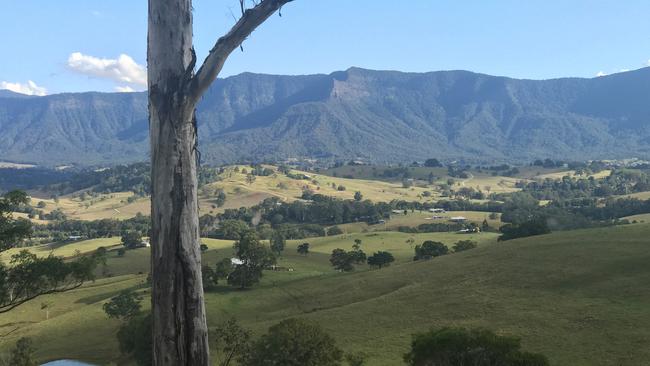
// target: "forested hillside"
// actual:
[[379, 116]]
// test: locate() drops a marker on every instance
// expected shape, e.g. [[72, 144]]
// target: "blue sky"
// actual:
[[75, 45]]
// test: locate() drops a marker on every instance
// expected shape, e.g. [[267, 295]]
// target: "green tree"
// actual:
[[23, 353], [232, 342], [254, 258], [430, 249], [334, 230], [381, 259], [358, 196], [303, 248], [223, 268], [342, 260], [432, 163], [27, 277], [485, 226], [477, 347], [278, 242], [13, 231], [131, 239], [294, 342], [358, 255], [232, 229], [124, 306], [208, 277], [134, 339], [250, 179], [464, 245]]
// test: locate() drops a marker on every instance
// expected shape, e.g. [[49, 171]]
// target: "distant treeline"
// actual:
[[62, 230], [31, 178]]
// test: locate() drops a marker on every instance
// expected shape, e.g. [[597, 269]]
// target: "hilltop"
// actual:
[[378, 116]]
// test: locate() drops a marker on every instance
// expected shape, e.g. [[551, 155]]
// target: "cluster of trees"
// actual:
[[61, 230], [134, 178], [619, 182], [448, 205], [321, 209], [477, 347], [345, 261], [430, 249], [251, 256], [458, 171], [525, 216]]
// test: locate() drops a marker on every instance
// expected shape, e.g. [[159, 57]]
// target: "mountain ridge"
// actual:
[[379, 116]]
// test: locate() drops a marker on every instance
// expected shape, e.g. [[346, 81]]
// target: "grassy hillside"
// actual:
[[123, 205], [580, 297]]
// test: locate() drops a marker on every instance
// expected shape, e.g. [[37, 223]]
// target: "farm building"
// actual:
[[458, 219]]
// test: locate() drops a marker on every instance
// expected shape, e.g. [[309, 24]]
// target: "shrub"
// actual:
[[478, 347], [334, 230], [464, 245], [430, 249], [134, 338], [294, 342]]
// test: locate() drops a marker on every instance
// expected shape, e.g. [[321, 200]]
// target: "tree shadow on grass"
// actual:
[[89, 300]]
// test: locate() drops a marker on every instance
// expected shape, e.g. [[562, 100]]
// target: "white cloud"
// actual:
[[647, 63], [601, 73], [123, 70], [624, 70], [29, 88], [124, 89]]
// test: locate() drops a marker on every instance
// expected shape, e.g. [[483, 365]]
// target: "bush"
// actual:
[[125, 305], [528, 228], [294, 342], [381, 259], [334, 230], [451, 346], [430, 249], [464, 245], [134, 338], [23, 353]]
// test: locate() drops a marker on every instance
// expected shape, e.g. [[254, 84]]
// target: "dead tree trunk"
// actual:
[[180, 334]]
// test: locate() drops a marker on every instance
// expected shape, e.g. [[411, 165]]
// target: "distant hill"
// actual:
[[379, 116]]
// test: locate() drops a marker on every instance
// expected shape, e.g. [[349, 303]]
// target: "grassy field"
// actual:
[[480, 181], [580, 297], [413, 219], [239, 194]]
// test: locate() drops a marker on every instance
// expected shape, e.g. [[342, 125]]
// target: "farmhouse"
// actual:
[[458, 219]]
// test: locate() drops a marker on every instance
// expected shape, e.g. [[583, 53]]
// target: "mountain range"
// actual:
[[377, 116]]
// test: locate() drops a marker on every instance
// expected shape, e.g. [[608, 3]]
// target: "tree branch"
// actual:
[[19, 301], [251, 19]]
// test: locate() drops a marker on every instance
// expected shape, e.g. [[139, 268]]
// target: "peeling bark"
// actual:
[[180, 333]]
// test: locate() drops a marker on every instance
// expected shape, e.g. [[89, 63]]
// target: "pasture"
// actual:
[[558, 292]]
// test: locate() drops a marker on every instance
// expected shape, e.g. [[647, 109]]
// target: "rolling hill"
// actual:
[[379, 116], [579, 297]]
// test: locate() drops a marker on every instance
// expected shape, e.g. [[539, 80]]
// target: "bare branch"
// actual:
[[250, 20]]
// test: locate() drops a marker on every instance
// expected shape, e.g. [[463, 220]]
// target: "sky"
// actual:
[[51, 46]]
